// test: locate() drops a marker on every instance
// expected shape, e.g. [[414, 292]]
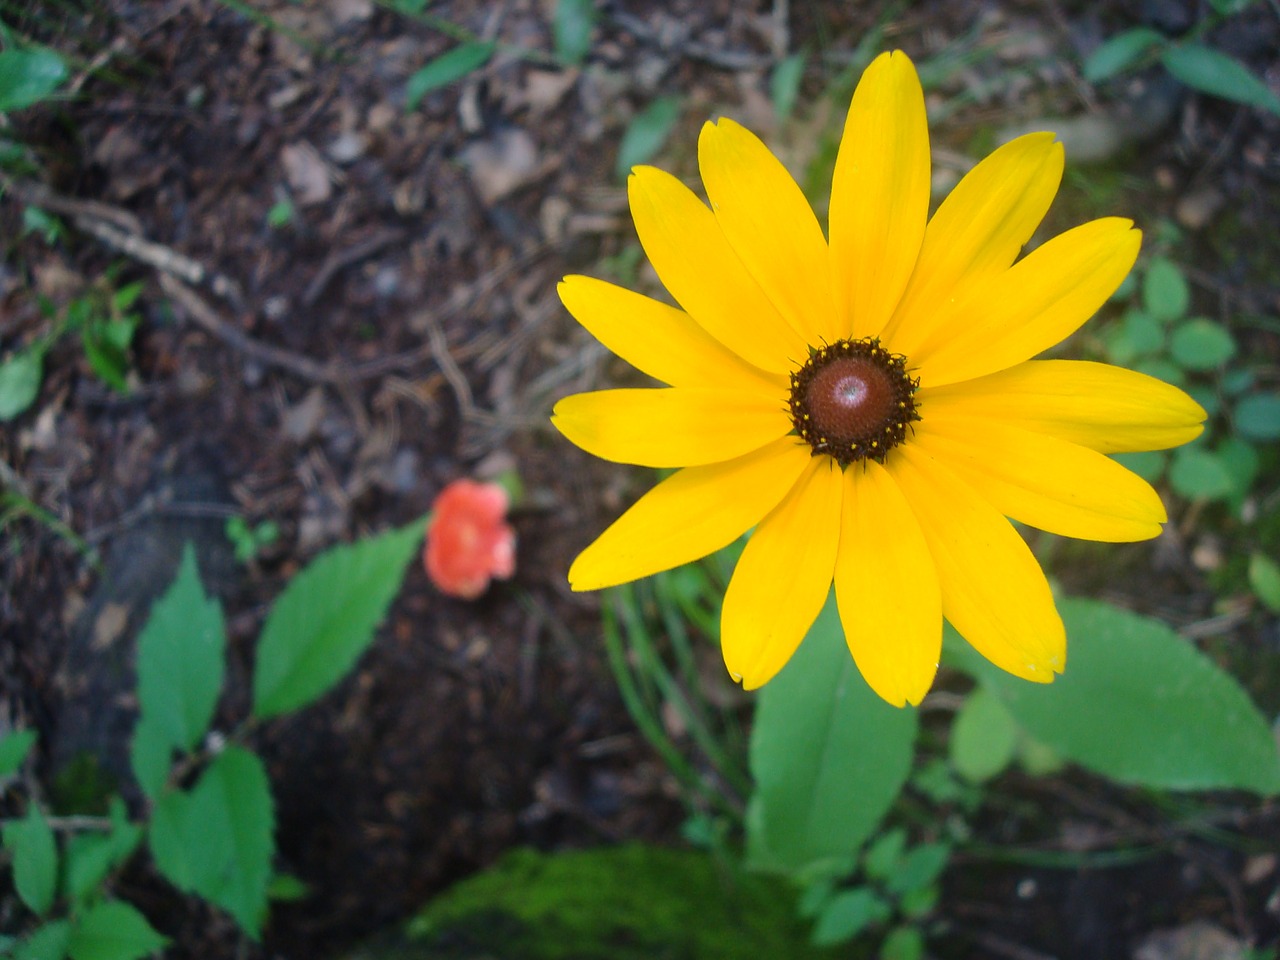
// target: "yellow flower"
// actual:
[[868, 402]]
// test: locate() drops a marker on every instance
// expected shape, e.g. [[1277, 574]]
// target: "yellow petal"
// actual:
[[770, 225], [887, 588], [1042, 481], [879, 194], [783, 577], [1104, 408], [976, 233], [993, 590], [659, 339], [698, 267], [690, 514], [1036, 303], [673, 427]]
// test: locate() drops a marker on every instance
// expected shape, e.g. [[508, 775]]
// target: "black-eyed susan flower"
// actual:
[[867, 401]]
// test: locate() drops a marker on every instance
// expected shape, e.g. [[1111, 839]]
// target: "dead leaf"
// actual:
[[502, 164], [1198, 940], [307, 173], [109, 624]]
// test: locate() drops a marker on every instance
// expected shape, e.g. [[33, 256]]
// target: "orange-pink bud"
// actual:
[[468, 539]]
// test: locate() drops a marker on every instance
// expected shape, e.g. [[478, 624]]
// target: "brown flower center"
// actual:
[[853, 400]]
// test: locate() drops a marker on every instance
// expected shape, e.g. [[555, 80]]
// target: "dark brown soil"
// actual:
[[401, 330]]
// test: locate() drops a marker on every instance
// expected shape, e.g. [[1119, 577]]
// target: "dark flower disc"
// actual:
[[853, 400]]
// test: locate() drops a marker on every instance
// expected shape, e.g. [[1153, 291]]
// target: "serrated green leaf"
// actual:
[[47, 942], [983, 737], [113, 930], [1120, 52], [13, 751], [571, 27], [784, 83], [1202, 344], [20, 377], [828, 756], [35, 859], [181, 653], [217, 840], [1257, 416], [445, 69], [920, 868], [28, 76], [1264, 578], [646, 133], [326, 618], [1139, 704], [1200, 475], [90, 857], [1165, 294], [1211, 71], [847, 914]]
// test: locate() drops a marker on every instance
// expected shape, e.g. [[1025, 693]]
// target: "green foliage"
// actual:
[[1140, 705], [325, 619], [216, 840], [1201, 344], [620, 902], [1121, 52], [247, 541], [572, 26], [1264, 578], [1165, 293], [113, 930], [180, 658], [784, 83], [446, 69], [847, 914], [28, 76], [102, 317], [13, 751], [90, 857], [1257, 416], [31, 844], [1211, 71], [281, 214], [984, 737], [828, 756], [646, 133]]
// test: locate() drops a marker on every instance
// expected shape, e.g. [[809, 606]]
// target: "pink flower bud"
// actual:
[[468, 539]]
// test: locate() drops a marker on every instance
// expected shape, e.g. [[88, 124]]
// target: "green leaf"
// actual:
[[1241, 461], [574, 20], [784, 83], [920, 868], [1120, 52], [1200, 475], [90, 857], [1139, 704], [984, 737], [1264, 577], [1257, 416], [445, 69], [181, 658], [47, 942], [1165, 294], [1162, 369], [646, 133], [326, 618], [1148, 464], [1211, 71], [286, 887], [217, 840], [20, 378], [847, 914], [885, 853], [904, 943], [1205, 395], [828, 756], [150, 755], [113, 930], [1201, 344], [13, 751], [35, 859], [1230, 7], [28, 76]]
